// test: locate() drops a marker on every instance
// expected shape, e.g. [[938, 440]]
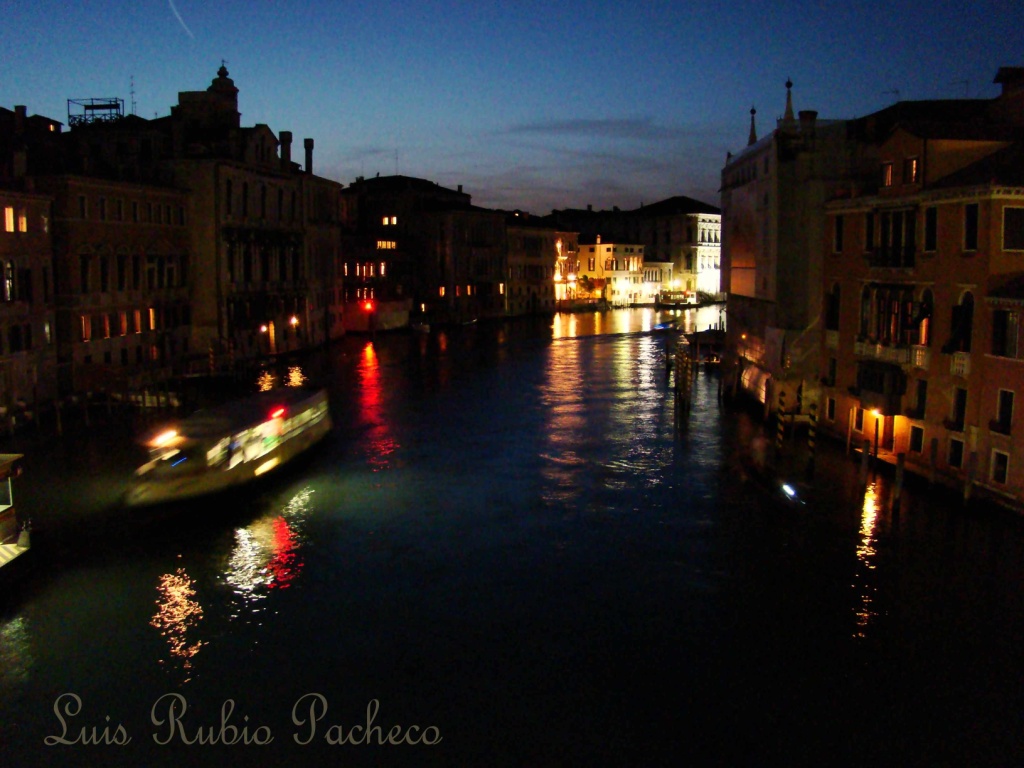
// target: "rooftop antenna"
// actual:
[[133, 93]]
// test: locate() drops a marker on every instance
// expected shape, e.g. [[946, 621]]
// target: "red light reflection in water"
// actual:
[[381, 445], [286, 564]]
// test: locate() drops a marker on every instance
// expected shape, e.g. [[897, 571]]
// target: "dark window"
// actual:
[[837, 240], [858, 419], [1000, 467], [1005, 325], [830, 409], [959, 413], [971, 227], [956, 453], [931, 228], [916, 439], [1004, 411], [227, 196], [1013, 229], [84, 273], [832, 309], [869, 231], [962, 326]]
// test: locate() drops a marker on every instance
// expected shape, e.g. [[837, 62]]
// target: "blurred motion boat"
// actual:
[[219, 448]]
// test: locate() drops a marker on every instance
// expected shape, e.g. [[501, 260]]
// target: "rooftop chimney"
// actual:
[[286, 149], [308, 144]]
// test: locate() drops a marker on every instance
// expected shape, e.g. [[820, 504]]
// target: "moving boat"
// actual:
[[218, 448]]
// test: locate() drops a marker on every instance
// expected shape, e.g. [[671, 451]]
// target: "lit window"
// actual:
[[22, 220], [382, 269], [441, 291], [152, 318], [86, 327], [886, 174], [137, 318], [8, 219], [910, 170]]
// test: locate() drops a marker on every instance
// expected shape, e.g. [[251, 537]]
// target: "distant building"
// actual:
[[534, 255], [679, 235], [410, 242], [612, 272]]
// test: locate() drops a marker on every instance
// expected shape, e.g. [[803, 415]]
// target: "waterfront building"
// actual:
[[27, 352], [923, 293], [121, 263], [537, 265], [773, 197], [612, 272], [412, 243], [262, 233], [679, 232]]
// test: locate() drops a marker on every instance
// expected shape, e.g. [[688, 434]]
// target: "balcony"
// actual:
[[920, 357], [960, 365], [1000, 427], [899, 354]]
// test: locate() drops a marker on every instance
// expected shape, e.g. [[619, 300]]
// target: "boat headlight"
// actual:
[[788, 490]]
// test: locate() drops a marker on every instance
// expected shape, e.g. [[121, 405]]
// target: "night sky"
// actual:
[[533, 105]]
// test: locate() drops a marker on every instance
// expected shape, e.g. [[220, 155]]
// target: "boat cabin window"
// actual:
[[6, 500]]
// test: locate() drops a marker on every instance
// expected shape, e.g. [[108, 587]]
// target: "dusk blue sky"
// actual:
[[533, 105]]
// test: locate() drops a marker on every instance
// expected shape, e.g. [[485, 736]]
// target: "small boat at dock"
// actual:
[[230, 445]]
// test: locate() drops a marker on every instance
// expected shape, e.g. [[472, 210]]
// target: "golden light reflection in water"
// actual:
[[865, 555], [266, 381], [295, 377], [16, 657], [178, 615]]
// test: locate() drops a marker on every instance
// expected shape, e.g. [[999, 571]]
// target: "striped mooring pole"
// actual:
[[812, 428], [780, 421]]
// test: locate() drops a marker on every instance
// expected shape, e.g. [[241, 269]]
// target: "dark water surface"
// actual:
[[509, 544]]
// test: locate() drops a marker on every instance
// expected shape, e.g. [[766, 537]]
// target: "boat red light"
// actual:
[[368, 306], [276, 414]]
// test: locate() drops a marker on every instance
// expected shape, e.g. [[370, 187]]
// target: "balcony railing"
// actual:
[[960, 365], [898, 354], [920, 357]]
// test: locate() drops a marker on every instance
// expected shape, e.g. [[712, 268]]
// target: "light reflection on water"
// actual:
[[16, 656], [177, 618], [266, 554], [866, 552]]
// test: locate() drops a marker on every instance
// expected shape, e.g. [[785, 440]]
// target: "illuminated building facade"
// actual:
[[924, 290], [612, 272]]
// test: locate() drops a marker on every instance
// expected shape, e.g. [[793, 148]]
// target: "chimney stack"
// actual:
[[308, 144], [286, 149]]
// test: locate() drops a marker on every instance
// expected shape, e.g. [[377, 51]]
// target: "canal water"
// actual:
[[512, 551]]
